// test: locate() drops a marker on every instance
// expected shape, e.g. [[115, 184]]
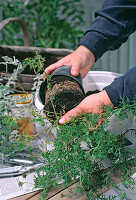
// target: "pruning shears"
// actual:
[[19, 167]]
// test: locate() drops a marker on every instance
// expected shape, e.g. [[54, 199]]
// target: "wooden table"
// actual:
[[56, 194]]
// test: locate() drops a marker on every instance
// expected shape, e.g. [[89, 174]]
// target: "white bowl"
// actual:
[[94, 80], [97, 80]]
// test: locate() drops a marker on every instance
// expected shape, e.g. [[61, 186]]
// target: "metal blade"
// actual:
[[9, 170]]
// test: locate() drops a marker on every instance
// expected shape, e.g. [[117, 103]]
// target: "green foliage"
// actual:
[[10, 141], [20, 184], [125, 107], [68, 161], [36, 63], [52, 23]]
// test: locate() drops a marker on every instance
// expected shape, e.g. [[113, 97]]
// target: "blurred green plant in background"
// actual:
[[51, 23]]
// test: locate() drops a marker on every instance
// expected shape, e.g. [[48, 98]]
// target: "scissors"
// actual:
[[20, 167]]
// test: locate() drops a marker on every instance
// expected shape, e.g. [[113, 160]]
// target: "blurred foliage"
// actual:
[[51, 23]]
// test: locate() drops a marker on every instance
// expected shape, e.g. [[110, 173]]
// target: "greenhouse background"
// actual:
[[117, 61]]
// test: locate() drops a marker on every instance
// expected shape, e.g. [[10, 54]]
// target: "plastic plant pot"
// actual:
[[64, 71], [65, 90]]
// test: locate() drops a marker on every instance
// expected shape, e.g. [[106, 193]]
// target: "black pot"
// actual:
[[62, 71]]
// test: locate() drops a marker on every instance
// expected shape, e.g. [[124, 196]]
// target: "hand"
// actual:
[[81, 60], [91, 104]]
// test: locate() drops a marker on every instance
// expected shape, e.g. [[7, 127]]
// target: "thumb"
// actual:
[[72, 113], [75, 69]]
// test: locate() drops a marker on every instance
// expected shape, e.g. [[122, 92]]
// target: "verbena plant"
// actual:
[[68, 161], [52, 23]]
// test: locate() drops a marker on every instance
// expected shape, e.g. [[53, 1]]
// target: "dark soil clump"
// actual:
[[64, 94]]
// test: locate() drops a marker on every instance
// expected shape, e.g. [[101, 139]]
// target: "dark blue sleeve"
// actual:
[[113, 24], [123, 87]]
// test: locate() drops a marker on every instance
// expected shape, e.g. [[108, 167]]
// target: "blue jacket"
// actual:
[[114, 22]]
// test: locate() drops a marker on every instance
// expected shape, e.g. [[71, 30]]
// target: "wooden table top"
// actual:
[[56, 194]]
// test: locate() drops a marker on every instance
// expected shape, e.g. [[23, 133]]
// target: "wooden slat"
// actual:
[[35, 197], [26, 196], [57, 194], [31, 49], [53, 192], [70, 193]]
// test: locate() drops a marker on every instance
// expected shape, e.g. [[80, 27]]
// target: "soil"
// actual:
[[66, 94]]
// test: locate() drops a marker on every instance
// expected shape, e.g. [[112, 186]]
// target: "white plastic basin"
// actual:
[[97, 80], [94, 80]]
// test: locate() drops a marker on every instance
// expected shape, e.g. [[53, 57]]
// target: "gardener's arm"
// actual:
[[113, 24]]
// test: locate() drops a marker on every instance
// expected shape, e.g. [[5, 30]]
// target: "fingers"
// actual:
[[71, 60], [54, 66], [74, 71], [72, 113], [91, 104]]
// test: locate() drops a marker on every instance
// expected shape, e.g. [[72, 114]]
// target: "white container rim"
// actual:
[[94, 80]]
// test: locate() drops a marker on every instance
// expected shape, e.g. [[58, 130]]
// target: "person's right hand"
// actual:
[[91, 104], [80, 61]]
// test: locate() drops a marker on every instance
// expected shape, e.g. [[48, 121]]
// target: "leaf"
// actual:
[[7, 59], [63, 195], [20, 184], [24, 175], [70, 191]]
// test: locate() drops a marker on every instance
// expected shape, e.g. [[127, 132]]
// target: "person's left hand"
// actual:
[[91, 104]]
